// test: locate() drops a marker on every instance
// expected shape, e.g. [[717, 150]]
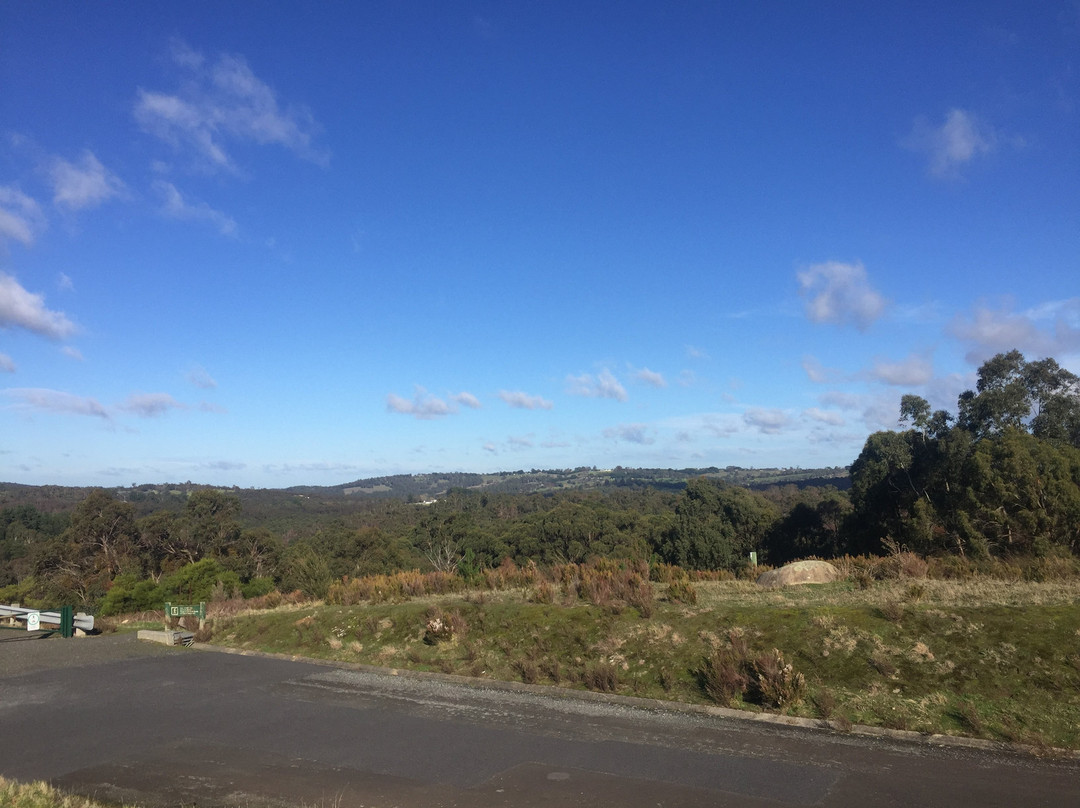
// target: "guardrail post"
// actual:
[[67, 621]]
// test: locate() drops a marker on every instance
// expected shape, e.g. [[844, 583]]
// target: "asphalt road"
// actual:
[[120, 720]]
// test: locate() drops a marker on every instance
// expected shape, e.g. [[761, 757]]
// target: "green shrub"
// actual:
[[130, 594], [257, 587], [196, 582]]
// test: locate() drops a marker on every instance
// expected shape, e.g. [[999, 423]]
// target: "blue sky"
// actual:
[[268, 244]]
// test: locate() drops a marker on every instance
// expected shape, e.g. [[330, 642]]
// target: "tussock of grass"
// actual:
[[41, 795]]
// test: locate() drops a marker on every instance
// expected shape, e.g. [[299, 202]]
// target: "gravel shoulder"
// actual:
[[24, 652]]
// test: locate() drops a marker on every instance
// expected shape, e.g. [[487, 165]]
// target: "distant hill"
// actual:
[[581, 478], [421, 487]]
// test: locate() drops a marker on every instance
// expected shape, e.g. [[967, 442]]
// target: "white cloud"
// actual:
[[175, 206], [22, 309], [876, 411], [910, 372], [199, 377], [224, 465], [85, 185], [21, 218], [7, 364], [1051, 329], [524, 401], [840, 293], [824, 416], [151, 405], [694, 352], [603, 385], [72, 352], [818, 373], [959, 140], [520, 442], [36, 398], [651, 378], [220, 103], [631, 433], [467, 400], [423, 406], [766, 421]]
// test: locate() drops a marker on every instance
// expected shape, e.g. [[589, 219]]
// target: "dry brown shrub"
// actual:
[[668, 573], [602, 676], [528, 670], [543, 592], [893, 611], [682, 591], [440, 626], [640, 594], [552, 669], [778, 683], [723, 676]]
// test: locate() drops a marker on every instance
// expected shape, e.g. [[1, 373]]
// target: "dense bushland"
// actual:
[[998, 483]]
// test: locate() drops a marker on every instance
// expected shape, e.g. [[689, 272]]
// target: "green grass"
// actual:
[[42, 795], [987, 659]]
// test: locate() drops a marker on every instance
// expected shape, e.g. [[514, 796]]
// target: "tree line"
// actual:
[[999, 478]]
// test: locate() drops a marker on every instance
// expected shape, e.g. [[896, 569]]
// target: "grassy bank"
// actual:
[[41, 795], [985, 658]]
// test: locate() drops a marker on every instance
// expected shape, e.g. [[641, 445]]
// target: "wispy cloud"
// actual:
[[840, 293], [603, 385], [651, 378], [766, 421], [423, 405], [631, 433], [825, 416], [72, 352], [467, 400], [1051, 329], [224, 465], [877, 411], [151, 405], [7, 365], [524, 401], [21, 218], [222, 103], [199, 377], [957, 141], [175, 206], [22, 309], [818, 373], [84, 185], [694, 352], [36, 398], [910, 372]]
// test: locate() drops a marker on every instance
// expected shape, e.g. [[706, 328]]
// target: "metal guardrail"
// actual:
[[53, 616]]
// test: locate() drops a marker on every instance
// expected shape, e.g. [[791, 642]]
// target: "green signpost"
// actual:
[[174, 611]]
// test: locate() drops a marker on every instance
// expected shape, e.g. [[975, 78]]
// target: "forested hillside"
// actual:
[[999, 478]]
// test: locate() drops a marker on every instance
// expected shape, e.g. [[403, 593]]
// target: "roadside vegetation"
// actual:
[[991, 656], [42, 795], [958, 539]]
